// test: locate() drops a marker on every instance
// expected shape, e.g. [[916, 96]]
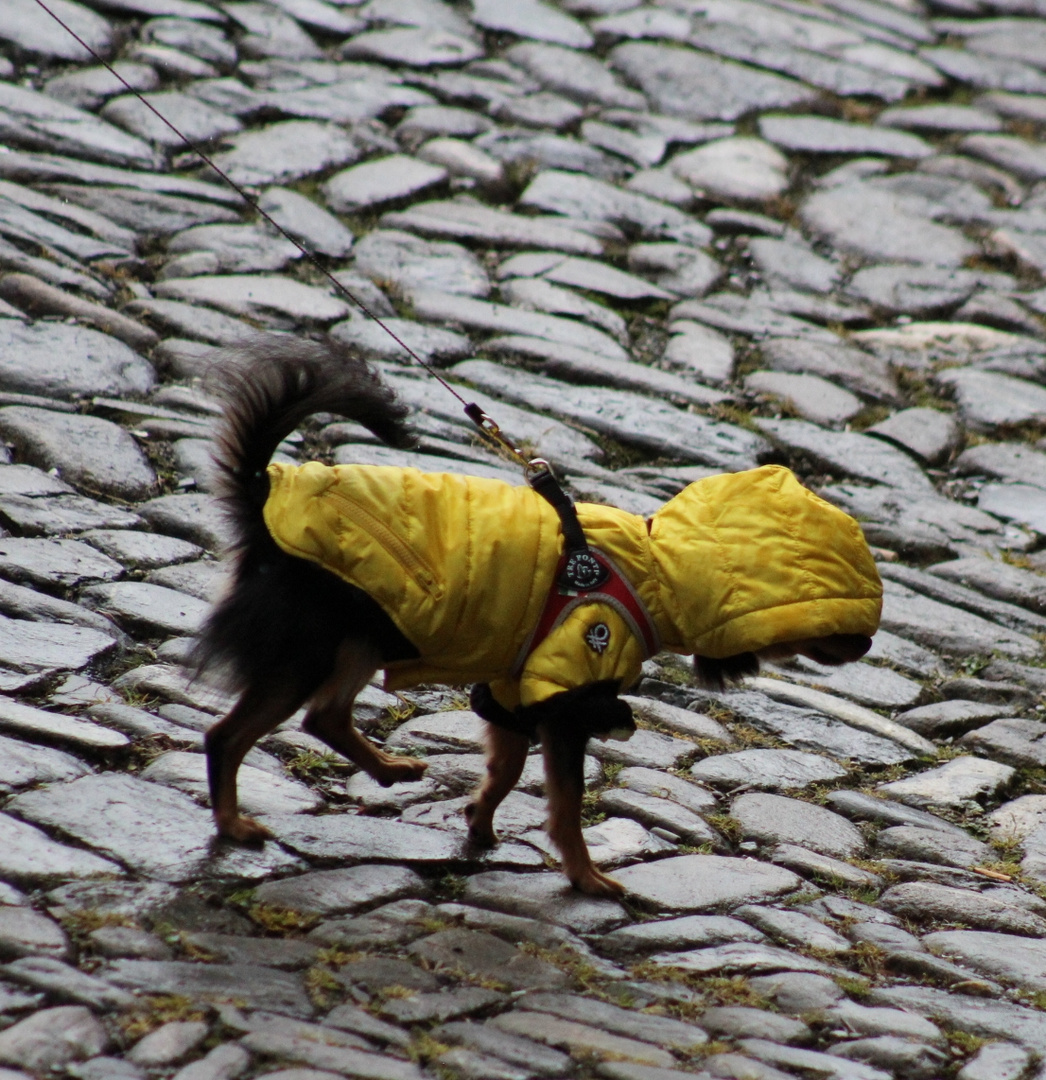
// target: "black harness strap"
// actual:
[[582, 571]]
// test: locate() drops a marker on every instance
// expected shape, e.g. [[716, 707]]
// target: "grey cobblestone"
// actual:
[[656, 241]]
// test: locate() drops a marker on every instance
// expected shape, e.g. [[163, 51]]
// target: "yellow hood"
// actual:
[[751, 559]]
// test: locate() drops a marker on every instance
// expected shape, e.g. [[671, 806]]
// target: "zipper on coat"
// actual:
[[411, 562]]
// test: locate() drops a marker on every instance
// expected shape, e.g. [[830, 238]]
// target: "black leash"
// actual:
[[582, 571]]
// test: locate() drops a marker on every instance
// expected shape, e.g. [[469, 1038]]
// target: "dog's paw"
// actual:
[[481, 830], [244, 830], [594, 883], [400, 770]]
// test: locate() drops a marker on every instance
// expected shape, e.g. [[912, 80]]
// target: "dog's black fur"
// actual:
[[283, 618], [288, 633]]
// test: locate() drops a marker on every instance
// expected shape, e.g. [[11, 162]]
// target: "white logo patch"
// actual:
[[597, 637]]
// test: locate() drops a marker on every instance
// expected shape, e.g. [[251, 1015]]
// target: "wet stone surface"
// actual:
[[653, 242], [87, 451]]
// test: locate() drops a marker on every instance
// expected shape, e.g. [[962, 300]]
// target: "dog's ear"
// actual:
[[590, 710], [838, 649], [718, 674], [483, 703]]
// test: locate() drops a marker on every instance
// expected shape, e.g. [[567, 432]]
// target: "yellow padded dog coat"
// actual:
[[463, 566]]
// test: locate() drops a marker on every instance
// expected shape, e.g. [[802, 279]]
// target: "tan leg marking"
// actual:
[[506, 756], [258, 712], [565, 786]]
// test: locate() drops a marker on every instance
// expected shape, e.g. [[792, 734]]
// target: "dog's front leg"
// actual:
[[506, 756], [330, 718], [564, 752]]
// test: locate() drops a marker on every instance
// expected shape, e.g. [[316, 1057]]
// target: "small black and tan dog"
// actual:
[[339, 571]]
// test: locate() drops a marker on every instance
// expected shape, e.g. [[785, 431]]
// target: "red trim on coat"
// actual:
[[616, 591]]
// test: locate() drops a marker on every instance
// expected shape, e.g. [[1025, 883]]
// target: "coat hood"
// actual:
[[746, 560]]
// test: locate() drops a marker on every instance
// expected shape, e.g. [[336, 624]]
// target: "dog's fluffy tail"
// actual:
[[269, 385]]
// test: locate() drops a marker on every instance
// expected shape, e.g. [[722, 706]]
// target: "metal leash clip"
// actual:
[[531, 466]]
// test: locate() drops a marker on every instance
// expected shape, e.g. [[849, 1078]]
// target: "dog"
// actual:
[[341, 571]]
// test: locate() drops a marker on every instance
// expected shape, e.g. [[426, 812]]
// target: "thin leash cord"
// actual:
[[485, 424]]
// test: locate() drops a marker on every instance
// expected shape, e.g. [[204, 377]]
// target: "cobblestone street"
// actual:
[[655, 241]]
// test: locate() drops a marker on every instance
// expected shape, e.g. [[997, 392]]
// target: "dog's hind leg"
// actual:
[[564, 753], [506, 756], [259, 710], [330, 717]]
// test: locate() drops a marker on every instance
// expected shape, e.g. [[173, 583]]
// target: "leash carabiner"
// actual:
[[581, 571], [489, 427]]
